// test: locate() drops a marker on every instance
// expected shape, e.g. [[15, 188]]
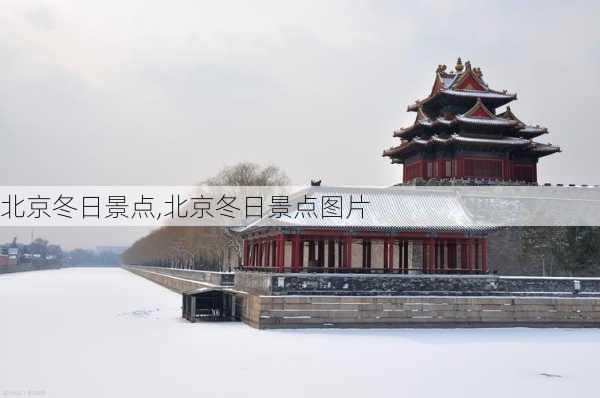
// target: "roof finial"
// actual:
[[459, 65]]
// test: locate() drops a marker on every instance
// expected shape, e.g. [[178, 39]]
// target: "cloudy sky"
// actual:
[[140, 92]]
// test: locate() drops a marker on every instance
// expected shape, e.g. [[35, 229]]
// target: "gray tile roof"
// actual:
[[393, 209]]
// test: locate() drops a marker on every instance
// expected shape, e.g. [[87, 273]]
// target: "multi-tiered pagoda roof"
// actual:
[[460, 120]]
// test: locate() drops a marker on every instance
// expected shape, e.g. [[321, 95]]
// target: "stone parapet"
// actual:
[[183, 280], [411, 285]]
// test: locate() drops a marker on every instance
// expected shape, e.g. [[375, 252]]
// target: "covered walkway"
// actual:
[[338, 252]]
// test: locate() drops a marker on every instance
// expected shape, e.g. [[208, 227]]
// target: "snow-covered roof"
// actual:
[[533, 130], [501, 141], [462, 138], [457, 138], [447, 80], [391, 209], [479, 94], [544, 148], [496, 121]]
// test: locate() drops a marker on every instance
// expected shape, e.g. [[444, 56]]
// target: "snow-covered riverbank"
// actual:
[[98, 332]]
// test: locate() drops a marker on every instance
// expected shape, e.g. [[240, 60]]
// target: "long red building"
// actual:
[[403, 231], [459, 133]]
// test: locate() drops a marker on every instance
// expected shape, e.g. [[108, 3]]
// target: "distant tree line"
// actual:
[[211, 248]]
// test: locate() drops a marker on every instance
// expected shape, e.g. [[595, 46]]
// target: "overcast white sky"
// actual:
[[139, 92]]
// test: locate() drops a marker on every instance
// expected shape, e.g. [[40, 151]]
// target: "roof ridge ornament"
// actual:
[[459, 65]]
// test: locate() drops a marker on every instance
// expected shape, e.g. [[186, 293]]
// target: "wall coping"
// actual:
[[181, 269], [400, 276]]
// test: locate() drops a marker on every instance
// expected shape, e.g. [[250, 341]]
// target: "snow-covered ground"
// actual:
[[93, 332]]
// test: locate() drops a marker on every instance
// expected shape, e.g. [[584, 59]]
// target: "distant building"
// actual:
[[13, 255]]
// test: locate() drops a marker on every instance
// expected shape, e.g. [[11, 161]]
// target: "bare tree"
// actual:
[[202, 247]]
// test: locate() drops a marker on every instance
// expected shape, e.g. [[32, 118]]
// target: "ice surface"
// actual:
[[94, 332]]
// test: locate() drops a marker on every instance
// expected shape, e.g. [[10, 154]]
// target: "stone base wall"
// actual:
[[249, 308], [267, 312]]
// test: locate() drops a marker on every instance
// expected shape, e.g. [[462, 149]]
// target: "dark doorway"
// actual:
[[209, 305]]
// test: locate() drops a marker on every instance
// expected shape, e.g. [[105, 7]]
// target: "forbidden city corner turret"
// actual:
[[460, 133]]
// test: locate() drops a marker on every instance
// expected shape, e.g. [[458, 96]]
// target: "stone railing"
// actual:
[[414, 285]]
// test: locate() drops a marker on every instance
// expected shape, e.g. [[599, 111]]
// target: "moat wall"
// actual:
[[266, 312], [366, 301]]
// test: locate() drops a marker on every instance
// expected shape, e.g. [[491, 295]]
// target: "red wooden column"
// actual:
[[347, 252], [386, 263], [405, 257], [400, 256], [258, 253], [311, 253], [266, 253], [273, 256], [391, 254], [442, 256], [436, 256], [251, 253], [246, 253], [484, 264], [432, 256], [366, 253], [471, 255], [463, 255], [280, 253], [477, 262], [330, 253], [296, 248], [425, 261], [321, 253]]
